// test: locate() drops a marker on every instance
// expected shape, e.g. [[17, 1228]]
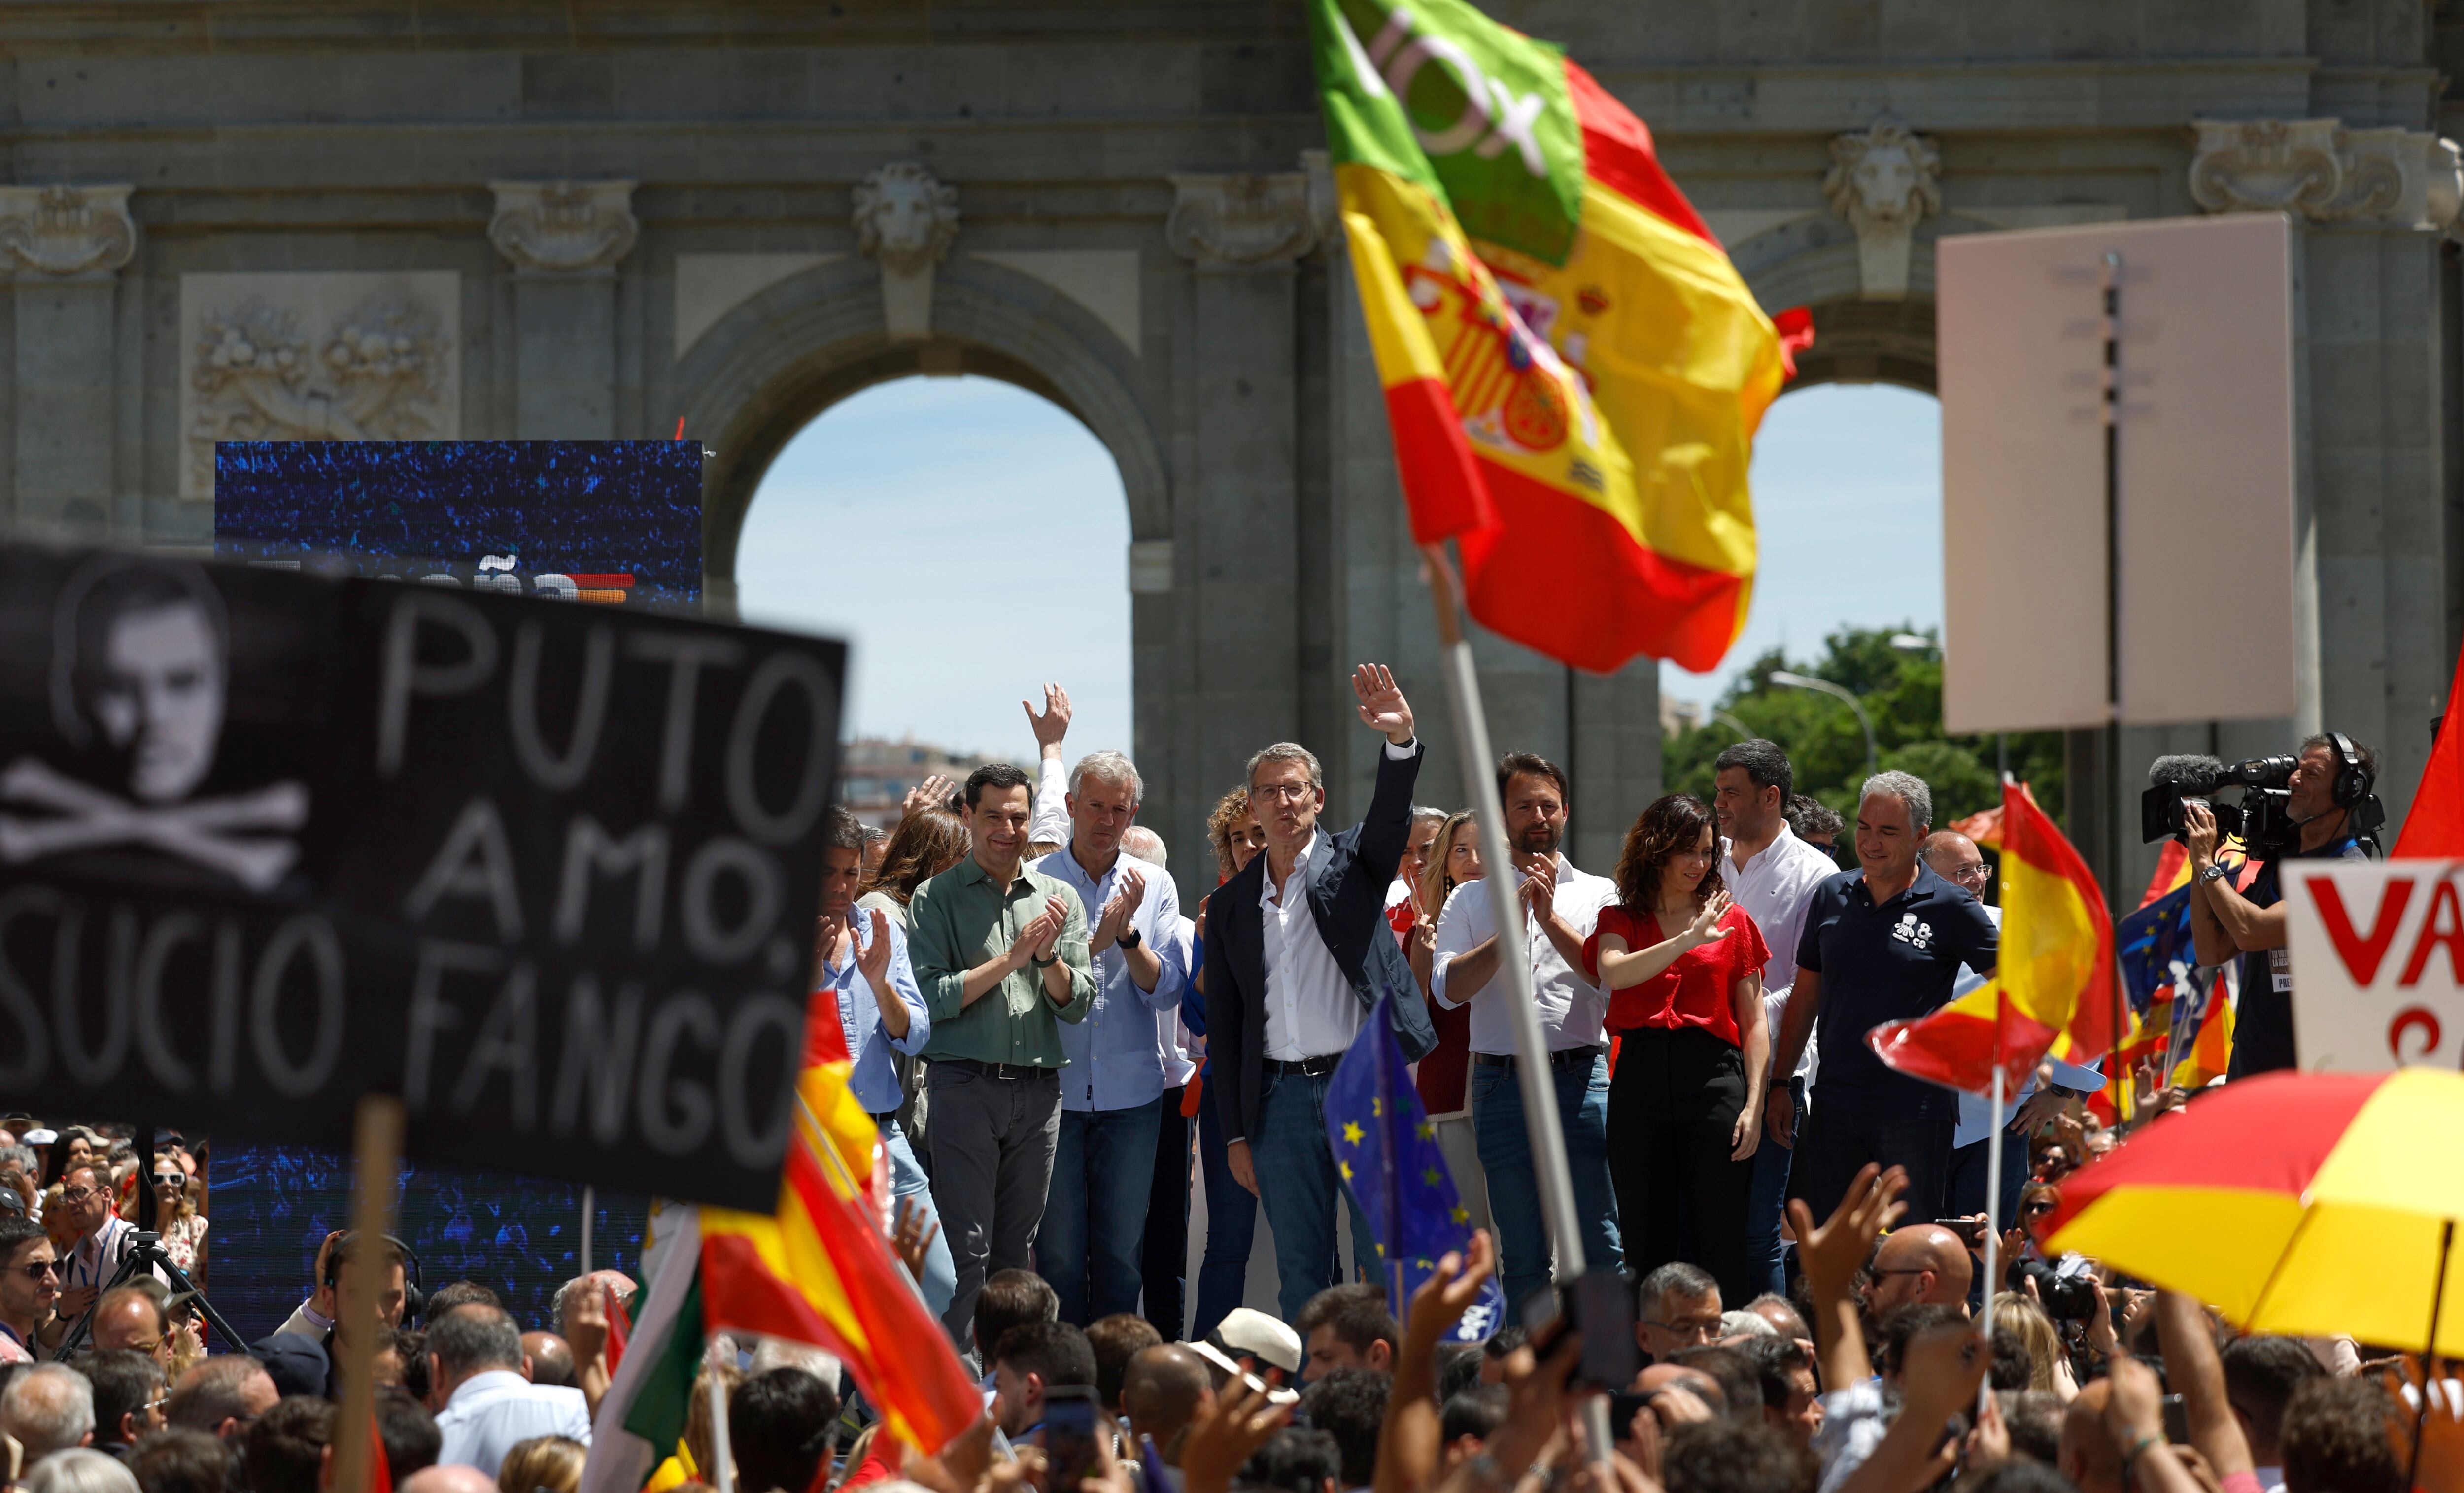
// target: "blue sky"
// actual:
[[939, 523]]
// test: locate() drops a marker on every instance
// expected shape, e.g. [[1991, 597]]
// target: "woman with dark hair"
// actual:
[[1682, 968], [928, 842]]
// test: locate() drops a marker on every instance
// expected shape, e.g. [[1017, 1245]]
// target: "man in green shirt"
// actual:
[[1001, 954]]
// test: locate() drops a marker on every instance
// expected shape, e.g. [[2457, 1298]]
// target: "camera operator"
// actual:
[[2325, 789]]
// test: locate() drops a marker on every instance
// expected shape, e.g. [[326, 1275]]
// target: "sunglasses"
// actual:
[[79, 1193], [40, 1269], [169, 1179]]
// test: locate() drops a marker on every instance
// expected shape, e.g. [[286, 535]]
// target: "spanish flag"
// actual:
[[2054, 989], [1573, 370], [820, 1270]]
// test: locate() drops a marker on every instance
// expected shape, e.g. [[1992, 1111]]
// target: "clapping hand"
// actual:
[[1036, 937], [1539, 888], [1121, 909], [1382, 705], [1053, 724], [873, 960]]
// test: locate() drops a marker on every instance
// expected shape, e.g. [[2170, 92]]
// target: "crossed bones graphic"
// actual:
[[207, 831]]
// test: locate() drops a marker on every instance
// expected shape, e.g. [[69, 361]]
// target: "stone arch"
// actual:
[[774, 364], [1812, 262]]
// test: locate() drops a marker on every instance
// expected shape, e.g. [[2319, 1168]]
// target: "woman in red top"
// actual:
[[1682, 968]]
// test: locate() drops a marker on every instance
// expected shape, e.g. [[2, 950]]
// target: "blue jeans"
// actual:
[[1231, 1227], [1766, 1257], [1091, 1246], [1514, 1189], [907, 1180], [1298, 1184]]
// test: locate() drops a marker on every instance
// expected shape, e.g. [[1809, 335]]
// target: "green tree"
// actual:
[[1902, 689]]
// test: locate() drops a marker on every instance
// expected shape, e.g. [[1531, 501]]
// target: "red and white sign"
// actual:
[[2378, 963]]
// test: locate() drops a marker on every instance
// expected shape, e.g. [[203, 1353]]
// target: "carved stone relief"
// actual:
[[563, 227], [1885, 180], [906, 220], [344, 356], [2319, 170], [1242, 219], [66, 230]]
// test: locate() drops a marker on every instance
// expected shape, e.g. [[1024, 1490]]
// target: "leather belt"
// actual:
[[1563, 1058], [1306, 1067], [1008, 1072]]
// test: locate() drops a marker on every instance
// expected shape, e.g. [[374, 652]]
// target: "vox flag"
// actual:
[[2053, 988], [1573, 370]]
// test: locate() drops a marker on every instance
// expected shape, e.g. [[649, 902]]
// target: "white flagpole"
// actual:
[[1992, 1198], [1536, 1082]]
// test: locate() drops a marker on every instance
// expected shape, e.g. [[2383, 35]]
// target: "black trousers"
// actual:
[[1673, 1107], [1166, 1255], [1847, 1129]]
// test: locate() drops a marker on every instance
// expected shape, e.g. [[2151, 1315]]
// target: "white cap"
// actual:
[[38, 1138], [1245, 1331]]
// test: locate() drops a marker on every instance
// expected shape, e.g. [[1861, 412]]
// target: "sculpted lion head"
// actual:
[[905, 218], [1883, 174]]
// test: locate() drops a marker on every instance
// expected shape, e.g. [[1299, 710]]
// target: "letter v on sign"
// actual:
[[2362, 954]]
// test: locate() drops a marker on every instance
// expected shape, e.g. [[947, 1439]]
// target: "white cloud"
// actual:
[[970, 540]]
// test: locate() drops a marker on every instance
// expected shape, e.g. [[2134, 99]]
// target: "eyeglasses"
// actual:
[[40, 1268], [1288, 792], [1705, 1327], [1976, 875]]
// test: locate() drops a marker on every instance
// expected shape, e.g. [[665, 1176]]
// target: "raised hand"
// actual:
[[933, 793], [1223, 1433], [1450, 1290], [913, 1235], [1706, 927], [1053, 724], [1833, 1252], [1382, 705], [872, 959]]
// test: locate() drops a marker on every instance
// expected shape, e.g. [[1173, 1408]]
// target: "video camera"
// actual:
[[2262, 818]]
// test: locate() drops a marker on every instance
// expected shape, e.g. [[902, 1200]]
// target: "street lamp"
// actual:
[[1744, 732], [1826, 687]]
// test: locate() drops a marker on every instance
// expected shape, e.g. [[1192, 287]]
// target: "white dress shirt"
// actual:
[[490, 1412], [1310, 1008], [1571, 1007], [1774, 889]]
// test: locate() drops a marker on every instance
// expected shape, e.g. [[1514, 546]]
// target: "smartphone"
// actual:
[[2177, 1422], [1599, 1305], [1970, 1230], [1072, 1420], [1623, 1406]]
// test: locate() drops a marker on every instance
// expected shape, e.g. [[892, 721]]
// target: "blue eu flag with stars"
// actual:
[[1387, 1151]]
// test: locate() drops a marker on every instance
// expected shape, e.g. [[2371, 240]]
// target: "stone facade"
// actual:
[[588, 219]]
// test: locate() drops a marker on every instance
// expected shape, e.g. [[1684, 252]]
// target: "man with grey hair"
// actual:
[[1297, 955], [49, 1408], [475, 1370], [1090, 1246], [1881, 943]]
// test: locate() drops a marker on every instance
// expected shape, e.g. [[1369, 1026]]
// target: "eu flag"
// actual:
[[1388, 1154], [2155, 948]]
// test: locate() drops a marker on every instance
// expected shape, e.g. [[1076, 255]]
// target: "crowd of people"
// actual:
[[1058, 1054]]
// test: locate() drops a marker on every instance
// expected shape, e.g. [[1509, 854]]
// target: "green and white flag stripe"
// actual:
[[644, 1414]]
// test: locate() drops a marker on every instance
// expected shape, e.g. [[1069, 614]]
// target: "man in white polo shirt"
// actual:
[[1560, 905], [1771, 874]]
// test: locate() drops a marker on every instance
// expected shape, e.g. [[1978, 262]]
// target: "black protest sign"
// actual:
[[547, 871]]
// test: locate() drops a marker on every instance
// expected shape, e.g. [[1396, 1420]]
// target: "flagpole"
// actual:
[[1547, 1137], [1994, 1195]]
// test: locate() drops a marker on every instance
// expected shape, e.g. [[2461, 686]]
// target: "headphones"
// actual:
[[2353, 780], [414, 1299]]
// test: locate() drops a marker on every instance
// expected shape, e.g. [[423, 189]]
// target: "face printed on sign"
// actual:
[[141, 677]]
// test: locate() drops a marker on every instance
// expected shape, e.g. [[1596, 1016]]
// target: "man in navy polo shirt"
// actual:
[[1881, 943]]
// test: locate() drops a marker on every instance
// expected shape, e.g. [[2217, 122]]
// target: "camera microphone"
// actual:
[[2188, 772]]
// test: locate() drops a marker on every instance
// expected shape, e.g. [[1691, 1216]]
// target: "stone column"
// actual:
[[1235, 526], [1613, 754], [65, 246], [2370, 534], [564, 240]]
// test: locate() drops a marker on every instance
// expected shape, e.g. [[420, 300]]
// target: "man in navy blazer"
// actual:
[[1298, 950]]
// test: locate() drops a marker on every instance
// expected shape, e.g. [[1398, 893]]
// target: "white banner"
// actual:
[[2378, 963]]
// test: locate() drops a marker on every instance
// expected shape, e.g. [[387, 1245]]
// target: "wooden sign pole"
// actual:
[[376, 1160]]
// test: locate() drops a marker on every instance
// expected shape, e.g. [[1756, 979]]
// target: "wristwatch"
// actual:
[[1128, 940], [1041, 963], [2213, 873]]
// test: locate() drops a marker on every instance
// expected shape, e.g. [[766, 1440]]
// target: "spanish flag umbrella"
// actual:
[[2311, 1204]]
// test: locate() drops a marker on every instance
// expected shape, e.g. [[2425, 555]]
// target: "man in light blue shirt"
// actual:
[[474, 1366], [860, 968], [1091, 1244]]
